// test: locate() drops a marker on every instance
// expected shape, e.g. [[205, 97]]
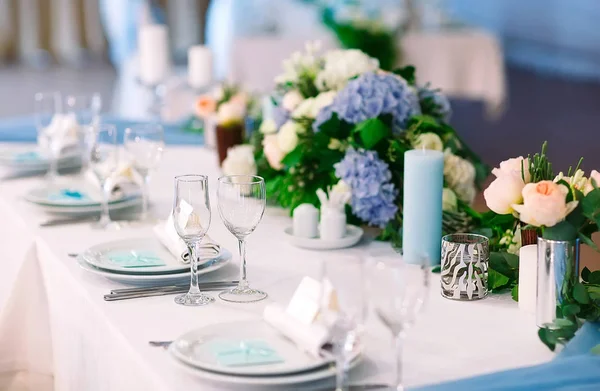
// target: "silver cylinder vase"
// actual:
[[557, 272]]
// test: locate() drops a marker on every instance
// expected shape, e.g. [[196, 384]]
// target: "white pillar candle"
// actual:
[[153, 53], [200, 67], [306, 221], [527, 277]]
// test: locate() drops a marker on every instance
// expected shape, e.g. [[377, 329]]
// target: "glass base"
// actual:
[[194, 300], [242, 295], [108, 225]]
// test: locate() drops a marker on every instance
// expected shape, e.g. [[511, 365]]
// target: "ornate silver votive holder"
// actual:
[[464, 271]]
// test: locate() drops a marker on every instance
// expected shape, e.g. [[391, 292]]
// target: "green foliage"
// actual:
[[540, 167], [503, 272], [407, 73], [371, 132]]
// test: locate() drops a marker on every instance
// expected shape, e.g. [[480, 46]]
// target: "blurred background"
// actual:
[[518, 72]]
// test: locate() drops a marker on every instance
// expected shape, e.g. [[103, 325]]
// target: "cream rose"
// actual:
[[544, 204], [291, 100], [272, 151], [593, 181], [305, 109], [287, 138], [230, 113], [268, 126], [518, 165], [503, 193], [239, 161], [449, 200], [428, 141]]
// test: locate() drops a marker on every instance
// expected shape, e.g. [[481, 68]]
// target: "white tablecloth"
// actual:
[[57, 332]]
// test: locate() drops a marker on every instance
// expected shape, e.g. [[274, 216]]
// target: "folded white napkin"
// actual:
[[309, 337], [63, 129], [125, 179]]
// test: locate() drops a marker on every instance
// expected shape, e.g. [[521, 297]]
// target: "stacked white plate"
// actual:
[[80, 198], [194, 351], [29, 160], [97, 260]]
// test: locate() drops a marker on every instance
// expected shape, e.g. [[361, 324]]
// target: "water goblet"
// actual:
[[48, 119], [145, 144], [104, 161], [85, 111], [191, 214], [399, 293], [242, 201], [344, 312]]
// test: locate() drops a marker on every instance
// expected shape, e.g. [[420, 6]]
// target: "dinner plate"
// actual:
[[353, 235], [75, 194], [100, 256], [156, 279], [200, 348], [30, 159], [88, 210]]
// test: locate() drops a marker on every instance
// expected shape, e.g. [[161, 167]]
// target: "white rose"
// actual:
[[291, 100], [305, 109], [449, 200], [230, 113], [272, 151], [287, 138], [544, 204], [342, 65], [466, 192], [503, 193], [593, 182], [239, 161], [428, 141], [322, 100], [518, 165], [460, 176], [268, 126]]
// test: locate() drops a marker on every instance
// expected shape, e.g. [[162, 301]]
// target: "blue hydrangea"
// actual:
[[373, 197], [371, 95], [280, 116], [437, 102]]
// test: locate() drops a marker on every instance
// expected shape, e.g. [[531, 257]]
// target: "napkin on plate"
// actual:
[[65, 128], [168, 237], [124, 181]]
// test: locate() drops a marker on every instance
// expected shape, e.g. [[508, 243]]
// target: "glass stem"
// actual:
[[53, 167], [243, 284], [194, 251], [399, 342], [145, 196], [105, 215], [340, 366]]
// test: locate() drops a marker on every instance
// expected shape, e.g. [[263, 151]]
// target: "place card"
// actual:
[[244, 353], [135, 259]]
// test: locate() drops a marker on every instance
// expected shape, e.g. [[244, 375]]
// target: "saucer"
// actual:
[[353, 235]]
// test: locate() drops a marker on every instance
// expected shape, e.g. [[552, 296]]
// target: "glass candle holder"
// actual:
[[464, 272]]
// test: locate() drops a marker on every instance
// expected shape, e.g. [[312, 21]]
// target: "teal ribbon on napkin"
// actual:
[[26, 157], [136, 259], [68, 194], [244, 353]]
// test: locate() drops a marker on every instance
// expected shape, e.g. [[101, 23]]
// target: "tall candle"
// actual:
[[528, 277], [153, 53], [422, 209], [200, 67]]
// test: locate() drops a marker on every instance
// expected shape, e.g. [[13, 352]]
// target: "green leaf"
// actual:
[[591, 206], [436, 269], [371, 132], [587, 240], [580, 294], [593, 291], [496, 280], [561, 231], [294, 157], [407, 73], [505, 264], [594, 277], [570, 310], [547, 338], [585, 274], [560, 322], [595, 349], [514, 292]]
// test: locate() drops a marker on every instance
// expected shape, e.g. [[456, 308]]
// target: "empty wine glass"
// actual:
[[191, 213], [344, 313], [48, 121], [399, 292], [144, 145], [104, 161], [242, 201], [85, 111]]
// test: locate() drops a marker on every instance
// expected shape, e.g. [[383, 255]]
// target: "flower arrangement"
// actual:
[[340, 121], [558, 207], [227, 102]]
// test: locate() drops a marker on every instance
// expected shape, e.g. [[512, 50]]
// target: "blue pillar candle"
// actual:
[[422, 208]]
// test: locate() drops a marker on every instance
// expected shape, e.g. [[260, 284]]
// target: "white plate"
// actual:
[[98, 256], [326, 372], [8, 158], [156, 279], [194, 349], [353, 235], [88, 210], [92, 195]]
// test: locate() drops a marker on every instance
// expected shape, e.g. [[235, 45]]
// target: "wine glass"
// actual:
[[104, 161], [399, 292], [344, 313], [48, 120], [144, 145], [242, 201], [85, 111], [191, 213]]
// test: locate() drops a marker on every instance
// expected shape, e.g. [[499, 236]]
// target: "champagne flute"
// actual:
[[191, 213], [104, 161], [344, 312], [400, 292], [85, 111], [144, 145], [242, 201], [48, 120]]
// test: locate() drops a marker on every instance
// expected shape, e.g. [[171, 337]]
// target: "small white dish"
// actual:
[[353, 235], [29, 160], [196, 349]]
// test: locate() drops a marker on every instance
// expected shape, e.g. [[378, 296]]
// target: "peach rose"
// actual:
[[593, 180], [544, 204], [205, 106], [272, 151], [504, 192], [514, 166]]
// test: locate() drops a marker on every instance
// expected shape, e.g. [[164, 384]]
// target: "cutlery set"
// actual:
[[140, 292]]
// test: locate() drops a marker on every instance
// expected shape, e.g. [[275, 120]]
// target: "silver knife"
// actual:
[[68, 220], [163, 287], [125, 296]]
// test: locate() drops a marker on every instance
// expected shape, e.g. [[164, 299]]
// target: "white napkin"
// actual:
[[308, 337], [65, 129], [125, 180]]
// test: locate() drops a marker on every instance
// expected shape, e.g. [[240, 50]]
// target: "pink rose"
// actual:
[[205, 106], [544, 204], [272, 151]]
